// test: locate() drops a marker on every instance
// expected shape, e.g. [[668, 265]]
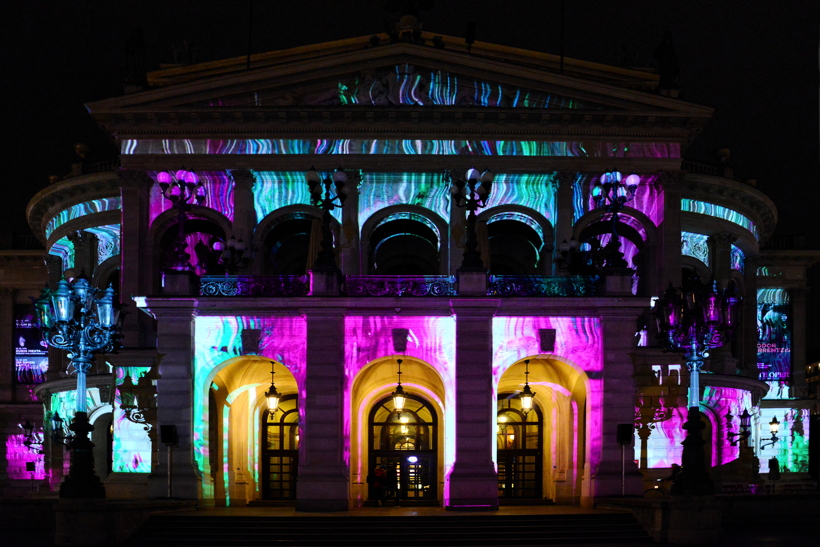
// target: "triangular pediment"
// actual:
[[347, 73]]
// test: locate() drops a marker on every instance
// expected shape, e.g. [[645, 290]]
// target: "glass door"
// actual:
[[280, 451]]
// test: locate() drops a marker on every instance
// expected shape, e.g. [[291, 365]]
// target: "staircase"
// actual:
[[179, 530]]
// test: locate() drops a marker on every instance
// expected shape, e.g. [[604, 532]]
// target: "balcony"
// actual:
[[401, 286]]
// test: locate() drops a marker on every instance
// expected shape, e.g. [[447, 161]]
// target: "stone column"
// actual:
[[722, 257], [458, 233], [798, 353], [747, 337], [85, 253], [323, 482], [669, 267], [175, 389], [473, 481], [349, 247], [618, 407], [564, 211], [6, 344], [136, 274], [244, 214]]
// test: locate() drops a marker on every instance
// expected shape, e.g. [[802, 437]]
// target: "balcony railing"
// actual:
[[253, 285], [400, 285], [536, 285]]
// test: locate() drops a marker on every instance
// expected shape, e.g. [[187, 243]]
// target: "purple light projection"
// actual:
[[218, 194], [591, 149], [719, 401], [431, 340], [218, 340], [774, 340], [648, 197], [17, 455]]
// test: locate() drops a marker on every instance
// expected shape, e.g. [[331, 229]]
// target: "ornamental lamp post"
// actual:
[[471, 192], [321, 196], [82, 320], [183, 189], [693, 320], [612, 192], [232, 254]]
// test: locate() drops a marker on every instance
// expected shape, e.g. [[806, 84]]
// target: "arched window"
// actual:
[[200, 236], [287, 245], [515, 246], [404, 244]]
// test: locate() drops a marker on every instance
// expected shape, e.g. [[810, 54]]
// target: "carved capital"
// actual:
[[243, 178], [723, 238], [672, 179], [135, 179], [565, 179]]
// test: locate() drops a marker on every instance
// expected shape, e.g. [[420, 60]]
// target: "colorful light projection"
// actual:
[[30, 350], [203, 258], [792, 447], [18, 455], [766, 271], [65, 250], [218, 194], [738, 259], [82, 209], [663, 447], [431, 340], [718, 402], [218, 339], [132, 445], [590, 149], [108, 241], [717, 211], [537, 192], [696, 246], [774, 341], [276, 189], [648, 197], [380, 190], [524, 219]]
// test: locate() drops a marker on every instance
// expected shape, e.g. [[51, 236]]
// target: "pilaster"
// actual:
[[244, 214], [722, 257], [136, 271], [85, 253], [349, 229], [669, 267], [748, 327], [6, 344], [175, 345], [458, 232], [323, 482], [563, 224], [473, 481]]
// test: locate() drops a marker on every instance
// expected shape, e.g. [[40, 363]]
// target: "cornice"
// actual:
[[22, 259]]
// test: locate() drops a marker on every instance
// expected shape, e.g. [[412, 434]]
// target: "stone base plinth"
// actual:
[[618, 282], [474, 491], [324, 283], [472, 283], [179, 283]]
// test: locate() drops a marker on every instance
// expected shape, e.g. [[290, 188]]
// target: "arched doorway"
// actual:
[[519, 456], [404, 444], [280, 450]]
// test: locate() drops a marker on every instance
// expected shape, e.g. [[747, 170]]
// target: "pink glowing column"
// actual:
[[175, 342], [618, 407], [473, 481], [670, 230], [323, 474]]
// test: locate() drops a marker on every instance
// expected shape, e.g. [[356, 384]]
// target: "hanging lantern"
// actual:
[[272, 395], [399, 397], [527, 395], [774, 426]]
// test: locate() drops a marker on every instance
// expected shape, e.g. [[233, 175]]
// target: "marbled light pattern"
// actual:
[[18, 454], [132, 446], [276, 189], [219, 338], [108, 244], [718, 211], [696, 246], [380, 190], [791, 448], [218, 194], [63, 248], [81, 210], [648, 197], [589, 149], [663, 447], [738, 259], [719, 401]]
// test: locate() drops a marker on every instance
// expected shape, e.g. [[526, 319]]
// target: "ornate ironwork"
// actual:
[[536, 285], [400, 285], [240, 285]]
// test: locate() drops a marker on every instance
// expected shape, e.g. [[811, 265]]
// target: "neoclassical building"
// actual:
[[555, 302]]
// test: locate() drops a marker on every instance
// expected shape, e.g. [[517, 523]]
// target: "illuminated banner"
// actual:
[[774, 337], [30, 351]]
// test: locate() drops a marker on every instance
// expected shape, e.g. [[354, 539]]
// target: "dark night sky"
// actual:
[[754, 61]]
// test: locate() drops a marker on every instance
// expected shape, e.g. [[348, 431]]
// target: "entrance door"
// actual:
[[519, 450], [404, 444], [280, 451]]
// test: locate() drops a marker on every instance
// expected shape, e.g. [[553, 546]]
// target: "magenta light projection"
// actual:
[[717, 211], [430, 340], [132, 445], [82, 209], [276, 189], [30, 350], [663, 447], [792, 447], [774, 340], [63, 248], [380, 190], [718, 402], [648, 197], [218, 194], [18, 455], [696, 246], [108, 241], [588, 149], [218, 339]]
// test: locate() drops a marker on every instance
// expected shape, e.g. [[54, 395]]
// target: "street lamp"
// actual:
[[745, 424], [184, 189], [693, 320], [232, 254], [471, 192], [527, 395], [774, 427], [612, 192], [272, 395], [322, 197], [32, 439], [82, 320]]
